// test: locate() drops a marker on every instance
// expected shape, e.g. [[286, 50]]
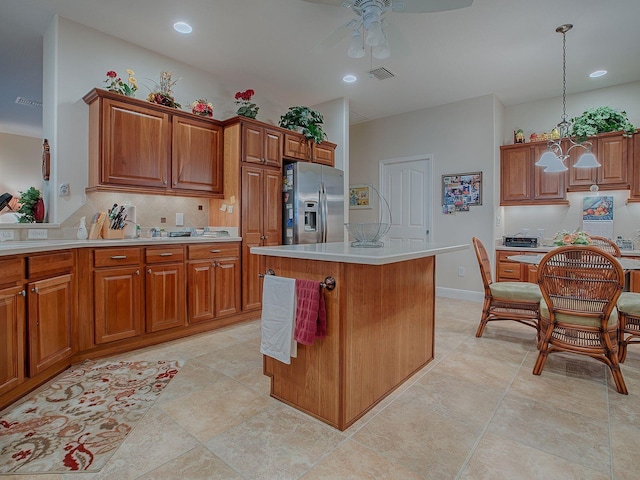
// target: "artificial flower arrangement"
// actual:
[[307, 121], [577, 237], [202, 107], [163, 93], [245, 107], [115, 83]]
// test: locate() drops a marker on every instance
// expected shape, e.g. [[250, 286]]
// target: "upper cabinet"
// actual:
[[138, 146], [522, 183], [261, 144], [612, 151], [297, 147]]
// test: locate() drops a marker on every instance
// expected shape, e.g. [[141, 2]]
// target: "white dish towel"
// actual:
[[278, 318]]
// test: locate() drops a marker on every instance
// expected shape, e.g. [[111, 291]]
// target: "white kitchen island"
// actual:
[[380, 325]]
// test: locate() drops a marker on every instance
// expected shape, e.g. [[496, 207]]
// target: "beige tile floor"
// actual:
[[475, 412]]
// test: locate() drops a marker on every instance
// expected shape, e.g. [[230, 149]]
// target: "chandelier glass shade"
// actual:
[[553, 160], [369, 30]]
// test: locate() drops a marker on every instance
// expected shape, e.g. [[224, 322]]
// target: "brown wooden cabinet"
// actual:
[[611, 150], [297, 147], [634, 166], [196, 155], [510, 271], [261, 144], [165, 288], [12, 323], [213, 281], [51, 309], [142, 147], [522, 183], [261, 226], [118, 294]]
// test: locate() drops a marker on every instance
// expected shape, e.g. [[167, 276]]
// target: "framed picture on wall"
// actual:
[[461, 190], [360, 196]]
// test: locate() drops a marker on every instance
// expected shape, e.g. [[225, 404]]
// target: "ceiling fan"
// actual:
[[369, 28]]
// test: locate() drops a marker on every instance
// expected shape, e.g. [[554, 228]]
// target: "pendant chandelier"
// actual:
[[554, 158]]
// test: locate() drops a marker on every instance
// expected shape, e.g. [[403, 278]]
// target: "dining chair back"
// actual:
[[629, 316], [517, 301], [580, 286], [606, 244]]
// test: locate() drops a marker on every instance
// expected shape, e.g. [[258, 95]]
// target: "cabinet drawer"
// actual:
[[113, 257], [509, 270], [49, 264], [164, 254], [213, 250], [12, 271]]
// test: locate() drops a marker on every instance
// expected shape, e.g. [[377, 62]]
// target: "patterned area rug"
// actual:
[[78, 420]]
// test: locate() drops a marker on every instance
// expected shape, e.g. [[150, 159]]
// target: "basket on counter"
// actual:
[[369, 234]]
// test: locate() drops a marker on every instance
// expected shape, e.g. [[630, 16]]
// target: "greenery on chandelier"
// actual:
[[600, 120], [308, 122]]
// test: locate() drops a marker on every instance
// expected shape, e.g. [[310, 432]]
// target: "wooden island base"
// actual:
[[380, 332]]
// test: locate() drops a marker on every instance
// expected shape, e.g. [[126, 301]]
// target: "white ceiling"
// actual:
[[294, 52]]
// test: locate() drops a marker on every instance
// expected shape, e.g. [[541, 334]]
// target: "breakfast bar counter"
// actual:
[[380, 325]]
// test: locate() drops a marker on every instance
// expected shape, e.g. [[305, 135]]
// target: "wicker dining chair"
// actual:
[[517, 301], [607, 245], [629, 317], [580, 287]]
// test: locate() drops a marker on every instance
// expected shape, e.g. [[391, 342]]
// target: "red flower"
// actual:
[[245, 96], [111, 74]]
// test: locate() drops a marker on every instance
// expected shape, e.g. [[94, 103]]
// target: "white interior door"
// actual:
[[406, 184]]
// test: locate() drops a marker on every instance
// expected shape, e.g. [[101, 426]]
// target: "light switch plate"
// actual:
[[179, 219], [37, 233]]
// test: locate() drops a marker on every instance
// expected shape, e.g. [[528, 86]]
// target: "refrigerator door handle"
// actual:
[[325, 212]]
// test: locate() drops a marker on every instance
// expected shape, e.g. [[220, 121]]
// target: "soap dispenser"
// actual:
[[82, 229]]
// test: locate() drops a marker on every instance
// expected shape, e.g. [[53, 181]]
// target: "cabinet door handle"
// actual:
[[118, 257], [263, 237], [175, 183], [34, 289], [215, 251], [508, 271], [23, 293], [166, 254], [164, 183], [149, 271], [137, 272]]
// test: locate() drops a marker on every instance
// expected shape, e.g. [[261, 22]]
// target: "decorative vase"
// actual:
[[38, 210]]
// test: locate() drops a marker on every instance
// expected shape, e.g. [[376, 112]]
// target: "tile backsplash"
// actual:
[[150, 209]]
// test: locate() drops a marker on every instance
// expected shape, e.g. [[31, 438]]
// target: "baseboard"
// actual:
[[460, 294]]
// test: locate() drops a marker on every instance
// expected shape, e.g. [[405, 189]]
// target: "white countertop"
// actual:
[[33, 246], [343, 252]]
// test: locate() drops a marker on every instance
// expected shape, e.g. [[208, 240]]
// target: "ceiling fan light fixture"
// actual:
[[356, 48], [374, 35], [382, 51]]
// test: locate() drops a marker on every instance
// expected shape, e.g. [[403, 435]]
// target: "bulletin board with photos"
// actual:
[[461, 191]]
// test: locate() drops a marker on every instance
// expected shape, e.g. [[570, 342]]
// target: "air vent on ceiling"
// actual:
[[28, 101], [381, 73]]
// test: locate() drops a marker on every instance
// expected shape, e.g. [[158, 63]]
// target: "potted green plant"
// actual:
[[307, 121], [31, 206], [600, 120]]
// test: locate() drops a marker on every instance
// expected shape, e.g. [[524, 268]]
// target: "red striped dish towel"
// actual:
[[311, 315]]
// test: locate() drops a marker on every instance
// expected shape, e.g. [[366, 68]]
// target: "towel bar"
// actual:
[[329, 282]]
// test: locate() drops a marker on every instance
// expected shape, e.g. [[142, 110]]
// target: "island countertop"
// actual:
[[343, 252]]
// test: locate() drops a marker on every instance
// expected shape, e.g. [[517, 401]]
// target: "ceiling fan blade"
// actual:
[[335, 37], [426, 6], [408, 6]]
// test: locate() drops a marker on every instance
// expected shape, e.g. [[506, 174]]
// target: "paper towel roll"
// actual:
[[130, 224]]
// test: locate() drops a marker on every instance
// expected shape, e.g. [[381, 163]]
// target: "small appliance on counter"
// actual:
[[521, 242]]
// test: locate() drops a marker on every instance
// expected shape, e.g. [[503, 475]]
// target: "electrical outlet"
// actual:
[[37, 233], [461, 271], [63, 189], [6, 235], [498, 221], [179, 219], [541, 233]]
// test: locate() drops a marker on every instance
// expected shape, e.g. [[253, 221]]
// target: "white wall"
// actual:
[[542, 116], [20, 162], [76, 60], [461, 137]]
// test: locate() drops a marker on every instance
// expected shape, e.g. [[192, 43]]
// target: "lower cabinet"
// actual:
[[510, 271], [165, 288], [118, 294], [12, 323], [213, 281], [51, 304]]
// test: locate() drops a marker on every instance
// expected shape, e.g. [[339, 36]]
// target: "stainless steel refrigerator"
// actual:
[[313, 203]]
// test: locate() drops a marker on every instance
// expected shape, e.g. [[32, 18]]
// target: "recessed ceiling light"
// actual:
[[349, 78], [598, 73], [182, 27]]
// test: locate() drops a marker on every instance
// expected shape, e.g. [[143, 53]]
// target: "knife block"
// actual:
[[109, 233]]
